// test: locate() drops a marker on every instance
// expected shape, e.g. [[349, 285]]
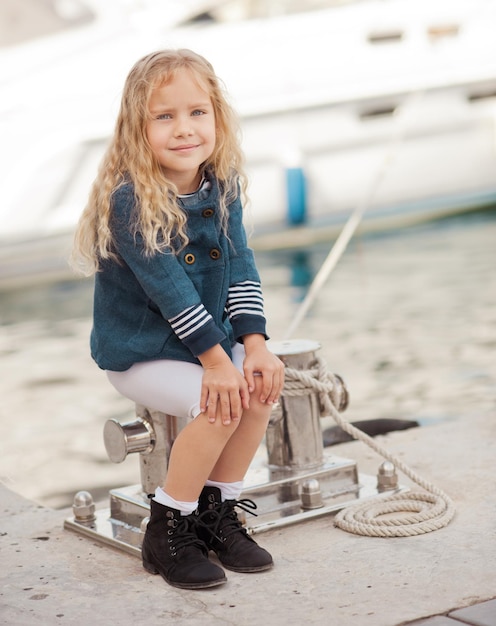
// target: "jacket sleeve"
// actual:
[[245, 300], [163, 280]]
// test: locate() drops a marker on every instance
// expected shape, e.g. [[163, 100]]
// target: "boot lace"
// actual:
[[182, 533], [222, 520]]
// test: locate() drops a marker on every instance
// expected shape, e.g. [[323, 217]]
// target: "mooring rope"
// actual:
[[396, 515]]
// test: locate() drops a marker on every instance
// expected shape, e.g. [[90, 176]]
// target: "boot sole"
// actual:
[[248, 570], [149, 567]]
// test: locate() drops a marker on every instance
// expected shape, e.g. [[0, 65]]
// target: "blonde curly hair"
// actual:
[[129, 158]]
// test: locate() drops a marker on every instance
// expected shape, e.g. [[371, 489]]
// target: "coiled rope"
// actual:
[[396, 515]]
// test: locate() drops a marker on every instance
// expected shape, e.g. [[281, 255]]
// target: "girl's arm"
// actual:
[[245, 310], [224, 389], [245, 301], [259, 359]]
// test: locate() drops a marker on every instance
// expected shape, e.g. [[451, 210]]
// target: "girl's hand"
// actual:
[[261, 360], [224, 390]]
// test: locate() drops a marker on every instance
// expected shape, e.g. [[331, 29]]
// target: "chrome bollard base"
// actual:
[[281, 497]]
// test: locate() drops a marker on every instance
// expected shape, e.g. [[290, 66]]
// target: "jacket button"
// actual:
[[214, 254], [189, 258], [207, 213]]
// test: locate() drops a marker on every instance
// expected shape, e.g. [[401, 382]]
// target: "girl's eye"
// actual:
[[198, 112], [164, 116]]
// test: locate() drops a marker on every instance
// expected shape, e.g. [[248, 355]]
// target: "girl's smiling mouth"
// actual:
[[185, 148]]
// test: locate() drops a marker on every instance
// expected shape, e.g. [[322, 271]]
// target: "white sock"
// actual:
[[162, 497], [228, 491]]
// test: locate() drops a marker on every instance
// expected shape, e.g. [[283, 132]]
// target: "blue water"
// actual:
[[291, 272], [408, 317]]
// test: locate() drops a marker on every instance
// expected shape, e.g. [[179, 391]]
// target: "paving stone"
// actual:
[[437, 620], [483, 614]]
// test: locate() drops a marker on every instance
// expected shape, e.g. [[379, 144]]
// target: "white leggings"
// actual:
[[172, 387]]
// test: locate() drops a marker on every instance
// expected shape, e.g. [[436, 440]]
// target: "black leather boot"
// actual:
[[172, 548], [225, 535]]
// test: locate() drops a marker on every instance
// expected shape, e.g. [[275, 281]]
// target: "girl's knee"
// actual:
[[255, 404], [258, 410], [219, 428]]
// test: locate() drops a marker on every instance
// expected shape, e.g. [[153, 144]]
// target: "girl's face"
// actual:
[[181, 131]]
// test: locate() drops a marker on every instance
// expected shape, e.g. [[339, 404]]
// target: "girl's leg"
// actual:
[[194, 455], [171, 545], [227, 536], [201, 450], [173, 387], [238, 452], [222, 453]]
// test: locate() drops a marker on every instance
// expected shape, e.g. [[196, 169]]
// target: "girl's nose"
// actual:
[[183, 126]]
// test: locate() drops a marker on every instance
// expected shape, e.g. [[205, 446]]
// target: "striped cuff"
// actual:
[[196, 328], [189, 321], [245, 299]]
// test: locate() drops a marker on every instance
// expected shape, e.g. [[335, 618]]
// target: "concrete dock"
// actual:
[[430, 320], [322, 575]]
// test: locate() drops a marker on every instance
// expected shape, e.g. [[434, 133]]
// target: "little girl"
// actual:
[[178, 311]]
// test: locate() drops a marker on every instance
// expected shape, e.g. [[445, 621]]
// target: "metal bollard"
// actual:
[[294, 434], [299, 482], [152, 435]]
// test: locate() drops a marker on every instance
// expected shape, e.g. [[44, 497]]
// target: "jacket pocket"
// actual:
[[152, 335]]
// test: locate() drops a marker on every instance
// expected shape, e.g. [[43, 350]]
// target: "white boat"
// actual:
[[388, 104], [385, 104]]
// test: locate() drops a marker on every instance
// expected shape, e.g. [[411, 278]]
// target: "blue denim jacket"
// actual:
[[134, 299]]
